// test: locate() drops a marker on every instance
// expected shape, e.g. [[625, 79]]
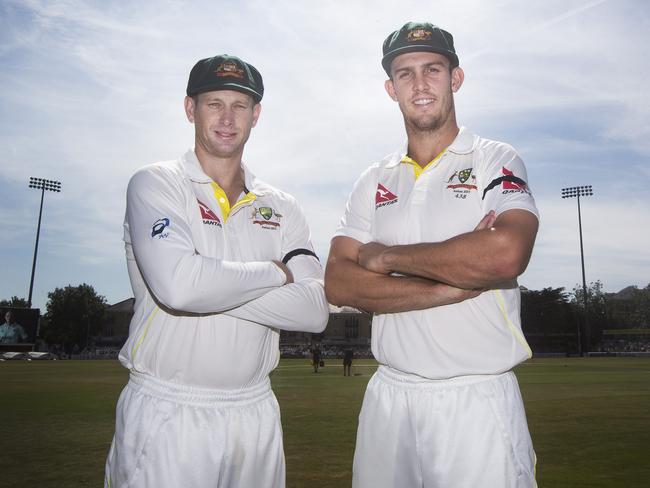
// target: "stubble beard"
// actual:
[[430, 124]]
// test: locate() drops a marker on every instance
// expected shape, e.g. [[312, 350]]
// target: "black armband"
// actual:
[[498, 181], [298, 252]]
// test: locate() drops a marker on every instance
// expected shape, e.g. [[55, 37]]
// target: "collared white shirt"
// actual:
[[391, 205], [208, 299]]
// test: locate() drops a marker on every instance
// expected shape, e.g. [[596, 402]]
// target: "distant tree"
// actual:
[[630, 308], [548, 320], [597, 319], [643, 307], [74, 315], [14, 302]]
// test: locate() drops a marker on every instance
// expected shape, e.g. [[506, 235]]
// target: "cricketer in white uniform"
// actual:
[[219, 262], [432, 241]]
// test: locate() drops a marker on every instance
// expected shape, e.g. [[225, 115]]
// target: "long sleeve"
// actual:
[[300, 305], [158, 227]]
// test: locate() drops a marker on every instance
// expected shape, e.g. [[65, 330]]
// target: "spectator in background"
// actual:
[[348, 355], [316, 358], [12, 332]]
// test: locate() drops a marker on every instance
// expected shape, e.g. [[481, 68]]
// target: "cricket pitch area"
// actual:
[[589, 419]]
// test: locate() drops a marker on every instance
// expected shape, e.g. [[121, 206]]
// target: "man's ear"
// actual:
[[257, 109], [390, 89], [457, 78], [189, 108]]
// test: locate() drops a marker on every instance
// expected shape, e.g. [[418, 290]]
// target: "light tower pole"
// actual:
[[39, 184], [577, 192]]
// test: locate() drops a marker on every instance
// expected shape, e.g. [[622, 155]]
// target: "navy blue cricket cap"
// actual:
[[418, 37], [224, 72]]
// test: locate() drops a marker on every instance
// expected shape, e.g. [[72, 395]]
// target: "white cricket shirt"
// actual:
[[390, 205], [208, 300]]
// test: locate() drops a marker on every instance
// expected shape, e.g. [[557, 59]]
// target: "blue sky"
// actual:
[[93, 90]]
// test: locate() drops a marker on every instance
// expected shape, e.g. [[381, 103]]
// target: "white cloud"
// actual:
[[93, 90]]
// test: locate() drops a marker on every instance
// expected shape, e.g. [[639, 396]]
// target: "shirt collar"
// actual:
[[194, 171], [463, 143]]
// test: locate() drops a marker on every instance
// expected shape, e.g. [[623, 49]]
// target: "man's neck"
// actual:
[[424, 146], [225, 172]]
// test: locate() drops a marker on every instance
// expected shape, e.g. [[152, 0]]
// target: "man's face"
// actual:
[[423, 87], [8, 317], [222, 120]]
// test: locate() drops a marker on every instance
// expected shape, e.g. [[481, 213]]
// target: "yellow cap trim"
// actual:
[[515, 331], [144, 333], [224, 204], [417, 169]]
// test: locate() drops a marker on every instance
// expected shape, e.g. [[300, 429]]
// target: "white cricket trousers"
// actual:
[[173, 436], [465, 432]]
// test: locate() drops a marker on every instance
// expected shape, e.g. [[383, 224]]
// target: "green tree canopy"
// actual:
[[14, 302], [74, 315]]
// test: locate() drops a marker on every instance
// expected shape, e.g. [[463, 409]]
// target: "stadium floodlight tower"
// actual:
[[40, 184], [577, 192]]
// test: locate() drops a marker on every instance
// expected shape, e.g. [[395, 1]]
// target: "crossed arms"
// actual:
[[434, 274], [289, 297]]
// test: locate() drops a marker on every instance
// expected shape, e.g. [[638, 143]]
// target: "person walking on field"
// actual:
[[218, 261], [432, 241], [348, 355], [316, 358]]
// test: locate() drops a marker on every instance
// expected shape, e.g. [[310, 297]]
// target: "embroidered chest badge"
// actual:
[[266, 217], [462, 183], [384, 197]]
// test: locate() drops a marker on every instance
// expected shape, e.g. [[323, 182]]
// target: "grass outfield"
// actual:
[[589, 419]]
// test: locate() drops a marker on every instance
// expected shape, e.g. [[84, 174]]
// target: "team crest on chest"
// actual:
[[266, 217], [384, 197], [462, 183]]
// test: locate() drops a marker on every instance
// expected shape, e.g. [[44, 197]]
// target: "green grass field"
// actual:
[[589, 419]]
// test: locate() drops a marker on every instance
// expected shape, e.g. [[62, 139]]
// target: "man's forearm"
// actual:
[[465, 261], [347, 283], [297, 306], [478, 259]]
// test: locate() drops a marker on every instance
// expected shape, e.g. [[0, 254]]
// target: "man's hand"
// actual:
[[450, 294], [487, 222], [285, 270], [370, 257]]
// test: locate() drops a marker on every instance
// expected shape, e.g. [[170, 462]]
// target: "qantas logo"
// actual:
[[384, 196], [208, 216], [513, 183], [509, 183]]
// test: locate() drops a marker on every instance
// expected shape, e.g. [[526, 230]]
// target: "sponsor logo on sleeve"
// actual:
[[510, 183], [158, 229], [513, 185], [384, 197], [462, 183], [266, 217], [208, 216]]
